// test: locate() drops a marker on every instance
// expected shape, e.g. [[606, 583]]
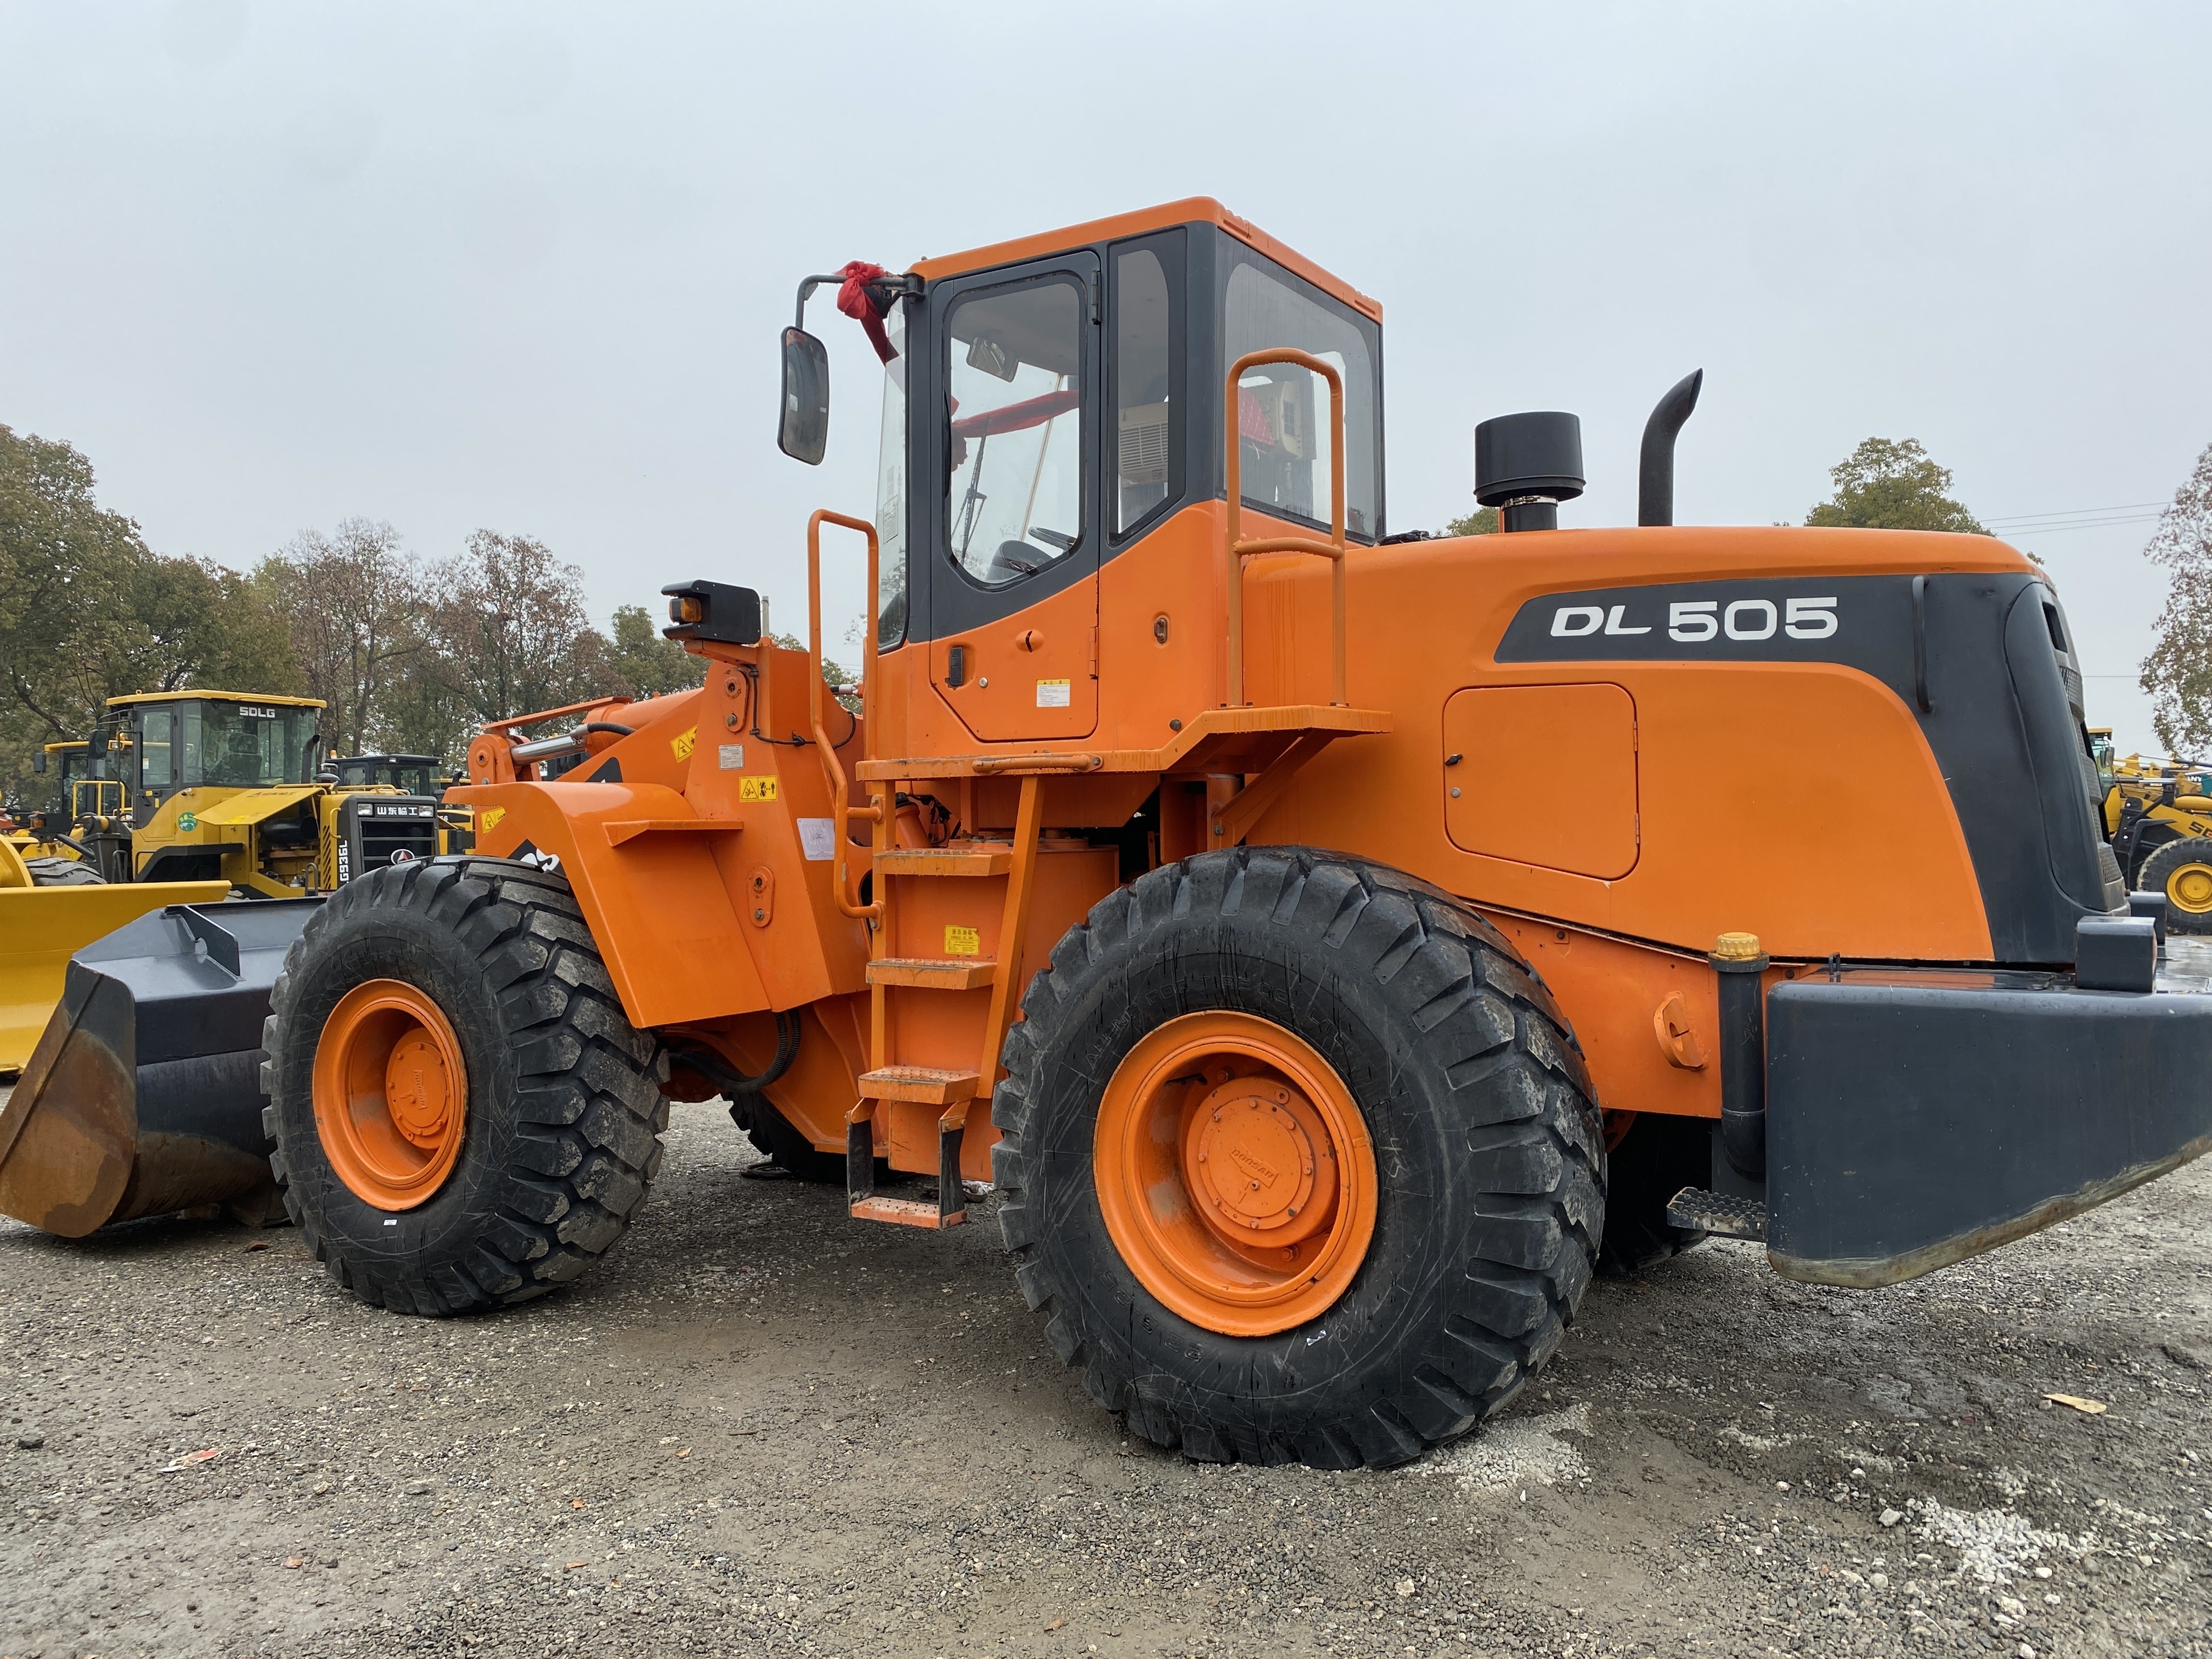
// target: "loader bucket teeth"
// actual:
[[142, 1097]]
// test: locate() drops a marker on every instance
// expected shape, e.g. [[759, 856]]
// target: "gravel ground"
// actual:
[[761, 1427]]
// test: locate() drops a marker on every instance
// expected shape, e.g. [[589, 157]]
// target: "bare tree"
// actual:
[[512, 630], [354, 602], [2178, 672]]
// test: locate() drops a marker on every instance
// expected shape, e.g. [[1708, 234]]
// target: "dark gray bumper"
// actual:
[[1918, 1118]]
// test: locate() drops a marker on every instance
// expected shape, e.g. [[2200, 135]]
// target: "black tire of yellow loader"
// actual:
[[2178, 868]]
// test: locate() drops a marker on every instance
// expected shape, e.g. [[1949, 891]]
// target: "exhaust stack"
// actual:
[[1655, 488]]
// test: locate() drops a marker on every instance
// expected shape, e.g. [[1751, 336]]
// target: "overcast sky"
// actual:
[[522, 266]]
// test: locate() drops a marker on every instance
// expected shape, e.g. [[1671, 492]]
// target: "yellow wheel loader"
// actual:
[[412, 775], [83, 797], [2157, 817], [225, 784], [207, 795]]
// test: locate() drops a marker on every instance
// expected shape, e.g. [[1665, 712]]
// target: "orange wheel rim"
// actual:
[[391, 1094], [1235, 1173]]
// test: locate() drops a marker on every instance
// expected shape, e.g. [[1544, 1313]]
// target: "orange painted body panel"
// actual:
[[672, 908], [1543, 776], [1610, 989], [1037, 679], [1795, 800], [655, 903]]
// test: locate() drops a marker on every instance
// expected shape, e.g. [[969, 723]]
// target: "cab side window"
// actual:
[[1283, 429], [157, 768], [1013, 496], [1145, 435]]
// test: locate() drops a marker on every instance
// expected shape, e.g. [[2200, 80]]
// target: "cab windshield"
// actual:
[[245, 746], [891, 492]]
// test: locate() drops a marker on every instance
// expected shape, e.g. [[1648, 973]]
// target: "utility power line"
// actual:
[[2081, 518]]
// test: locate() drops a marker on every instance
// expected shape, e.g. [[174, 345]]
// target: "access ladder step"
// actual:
[[1718, 1213], [907, 1212], [945, 861], [926, 1085], [935, 972]]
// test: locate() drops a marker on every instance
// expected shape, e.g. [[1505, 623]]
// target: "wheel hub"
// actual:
[[2189, 888], [418, 1090], [1250, 1157], [391, 1094], [1235, 1173]]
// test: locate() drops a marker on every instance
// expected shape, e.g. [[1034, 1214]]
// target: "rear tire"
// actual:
[[1475, 1102], [2182, 870], [1658, 1158], [780, 1141], [562, 1107]]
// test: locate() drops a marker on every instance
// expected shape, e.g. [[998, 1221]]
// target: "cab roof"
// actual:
[[1191, 211], [216, 697]]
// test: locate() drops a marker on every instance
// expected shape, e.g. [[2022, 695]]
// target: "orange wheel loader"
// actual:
[[1190, 871]]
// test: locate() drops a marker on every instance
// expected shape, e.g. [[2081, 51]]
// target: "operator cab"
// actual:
[[410, 775], [1051, 402], [174, 740]]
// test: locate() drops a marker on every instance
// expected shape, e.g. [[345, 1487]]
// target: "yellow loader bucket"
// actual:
[[41, 927]]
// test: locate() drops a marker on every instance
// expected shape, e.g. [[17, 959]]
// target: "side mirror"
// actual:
[[38, 761], [803, 432]]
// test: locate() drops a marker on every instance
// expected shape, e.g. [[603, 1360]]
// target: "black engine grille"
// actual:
[[385, 830]]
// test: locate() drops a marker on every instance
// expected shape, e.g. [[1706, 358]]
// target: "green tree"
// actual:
[[645, 664], [190, 621], [1483, 521], [89, 612], [2178, 672], [1889, 483]]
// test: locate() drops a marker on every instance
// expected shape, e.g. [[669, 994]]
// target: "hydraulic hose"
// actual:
[[711, 1066]]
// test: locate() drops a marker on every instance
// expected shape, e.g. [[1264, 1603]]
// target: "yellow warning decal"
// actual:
[[1053, 694], [684, 742], [962, 941], [756, 788], [488, 820]]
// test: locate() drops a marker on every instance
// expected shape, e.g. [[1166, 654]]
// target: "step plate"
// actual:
[[906, 1212], [1718, 1214], [923, 1084], [933, 973], [948, 861]]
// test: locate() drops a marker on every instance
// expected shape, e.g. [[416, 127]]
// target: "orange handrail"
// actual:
[[840, 810], [1333, 549]]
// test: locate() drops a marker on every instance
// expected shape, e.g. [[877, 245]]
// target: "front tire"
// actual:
[[463, 1118], [1468, 1102]]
